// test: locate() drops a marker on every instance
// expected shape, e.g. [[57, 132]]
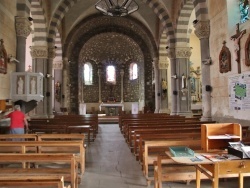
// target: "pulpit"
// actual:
[[26, 86]]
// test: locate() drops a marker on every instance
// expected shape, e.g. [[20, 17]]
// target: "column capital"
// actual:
[[183, 52], [122, 72], [51, 52], [39, 52], [171, 53], [202, 29], [23, 26], [155, 61]]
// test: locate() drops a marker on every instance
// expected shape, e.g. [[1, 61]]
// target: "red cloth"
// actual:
[[16, 119]]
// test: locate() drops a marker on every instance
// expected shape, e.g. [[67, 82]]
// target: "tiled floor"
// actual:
[[110, 164]]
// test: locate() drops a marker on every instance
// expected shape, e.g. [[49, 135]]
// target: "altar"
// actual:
[[111, 109]]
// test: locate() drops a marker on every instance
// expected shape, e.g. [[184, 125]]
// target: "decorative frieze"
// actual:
[[51, 53], [183, 52], [202, 29], [23, 26], [39, 52]]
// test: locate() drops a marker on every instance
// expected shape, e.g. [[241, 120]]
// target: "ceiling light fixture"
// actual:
[[116, 7]]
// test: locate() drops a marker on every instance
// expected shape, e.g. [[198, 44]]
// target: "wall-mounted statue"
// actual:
[[3, 58], [224, 59], [57, 91]]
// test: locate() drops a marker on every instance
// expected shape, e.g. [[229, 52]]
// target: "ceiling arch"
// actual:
[[156, 5]]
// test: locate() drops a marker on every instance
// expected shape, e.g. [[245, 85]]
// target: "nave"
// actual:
[[110, 164]]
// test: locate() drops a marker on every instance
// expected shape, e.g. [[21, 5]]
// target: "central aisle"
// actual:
[[110, 164]]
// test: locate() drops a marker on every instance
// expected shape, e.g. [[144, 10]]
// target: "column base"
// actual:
[[187, 114], [206, 118], [165, 110]]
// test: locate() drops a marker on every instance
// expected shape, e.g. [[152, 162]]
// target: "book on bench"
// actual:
[[239, 149]]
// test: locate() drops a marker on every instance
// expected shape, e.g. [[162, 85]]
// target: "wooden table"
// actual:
[[216, 170]]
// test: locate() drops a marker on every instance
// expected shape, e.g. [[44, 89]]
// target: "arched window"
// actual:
[[133, 71], [110, 74], [88, 74], [244, 10]]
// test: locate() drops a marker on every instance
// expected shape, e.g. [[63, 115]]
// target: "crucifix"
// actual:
[[236, 38]]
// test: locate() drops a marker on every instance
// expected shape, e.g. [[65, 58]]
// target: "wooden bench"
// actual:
[[148, 158], [15, 180], [60, 147], [157, 137], [18, 137], [68, 172]]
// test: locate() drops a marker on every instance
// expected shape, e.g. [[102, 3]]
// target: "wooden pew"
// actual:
[[161, 131], [157, 137], [34, 181], [18, 137], [68, 172], [60, 147], [148, 159]]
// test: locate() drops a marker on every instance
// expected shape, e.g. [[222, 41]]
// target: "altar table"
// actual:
[[111, 105]]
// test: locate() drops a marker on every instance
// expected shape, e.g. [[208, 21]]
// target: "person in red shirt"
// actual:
[[17, 121]]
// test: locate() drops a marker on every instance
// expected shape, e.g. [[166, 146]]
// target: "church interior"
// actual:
[[78, 60]]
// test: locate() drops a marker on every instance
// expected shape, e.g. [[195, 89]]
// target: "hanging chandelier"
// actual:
[[116, 7]]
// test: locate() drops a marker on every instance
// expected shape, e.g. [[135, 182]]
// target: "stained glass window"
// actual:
[[133, 71], [244, 11], [110, 74], [88, 72]]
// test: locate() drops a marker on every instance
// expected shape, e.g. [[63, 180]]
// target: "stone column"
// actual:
[[23, 30], [171, 56], [99, 82], [50, 81], [65, 88], [183, 85], [156, 78], [122, 74], [202, 31], [39, 56]]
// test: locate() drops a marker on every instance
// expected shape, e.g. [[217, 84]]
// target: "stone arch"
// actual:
[[23, 8], [39, 21], [156, 5], [182, 23], [63, 7], [98, 24]]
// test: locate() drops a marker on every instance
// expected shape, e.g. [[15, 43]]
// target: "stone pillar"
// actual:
[[156, 78], [39, 56], [23, 30], [50, 81], [65, 88], [163, 68], [202, 31], [171, 56], [183, 85], [122, 74], [99, 82]]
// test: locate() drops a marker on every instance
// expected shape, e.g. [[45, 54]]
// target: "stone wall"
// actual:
[[7, 33], [223, 19]]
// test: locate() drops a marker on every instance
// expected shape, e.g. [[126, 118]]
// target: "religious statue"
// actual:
[[3, 58], [183, 81], [164, 86], [224, 59], [20, 86], [57, 90], [33, 86]]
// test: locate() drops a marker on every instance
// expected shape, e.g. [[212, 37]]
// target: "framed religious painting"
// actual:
[[225, 59], [247, 51], [3, 58]]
